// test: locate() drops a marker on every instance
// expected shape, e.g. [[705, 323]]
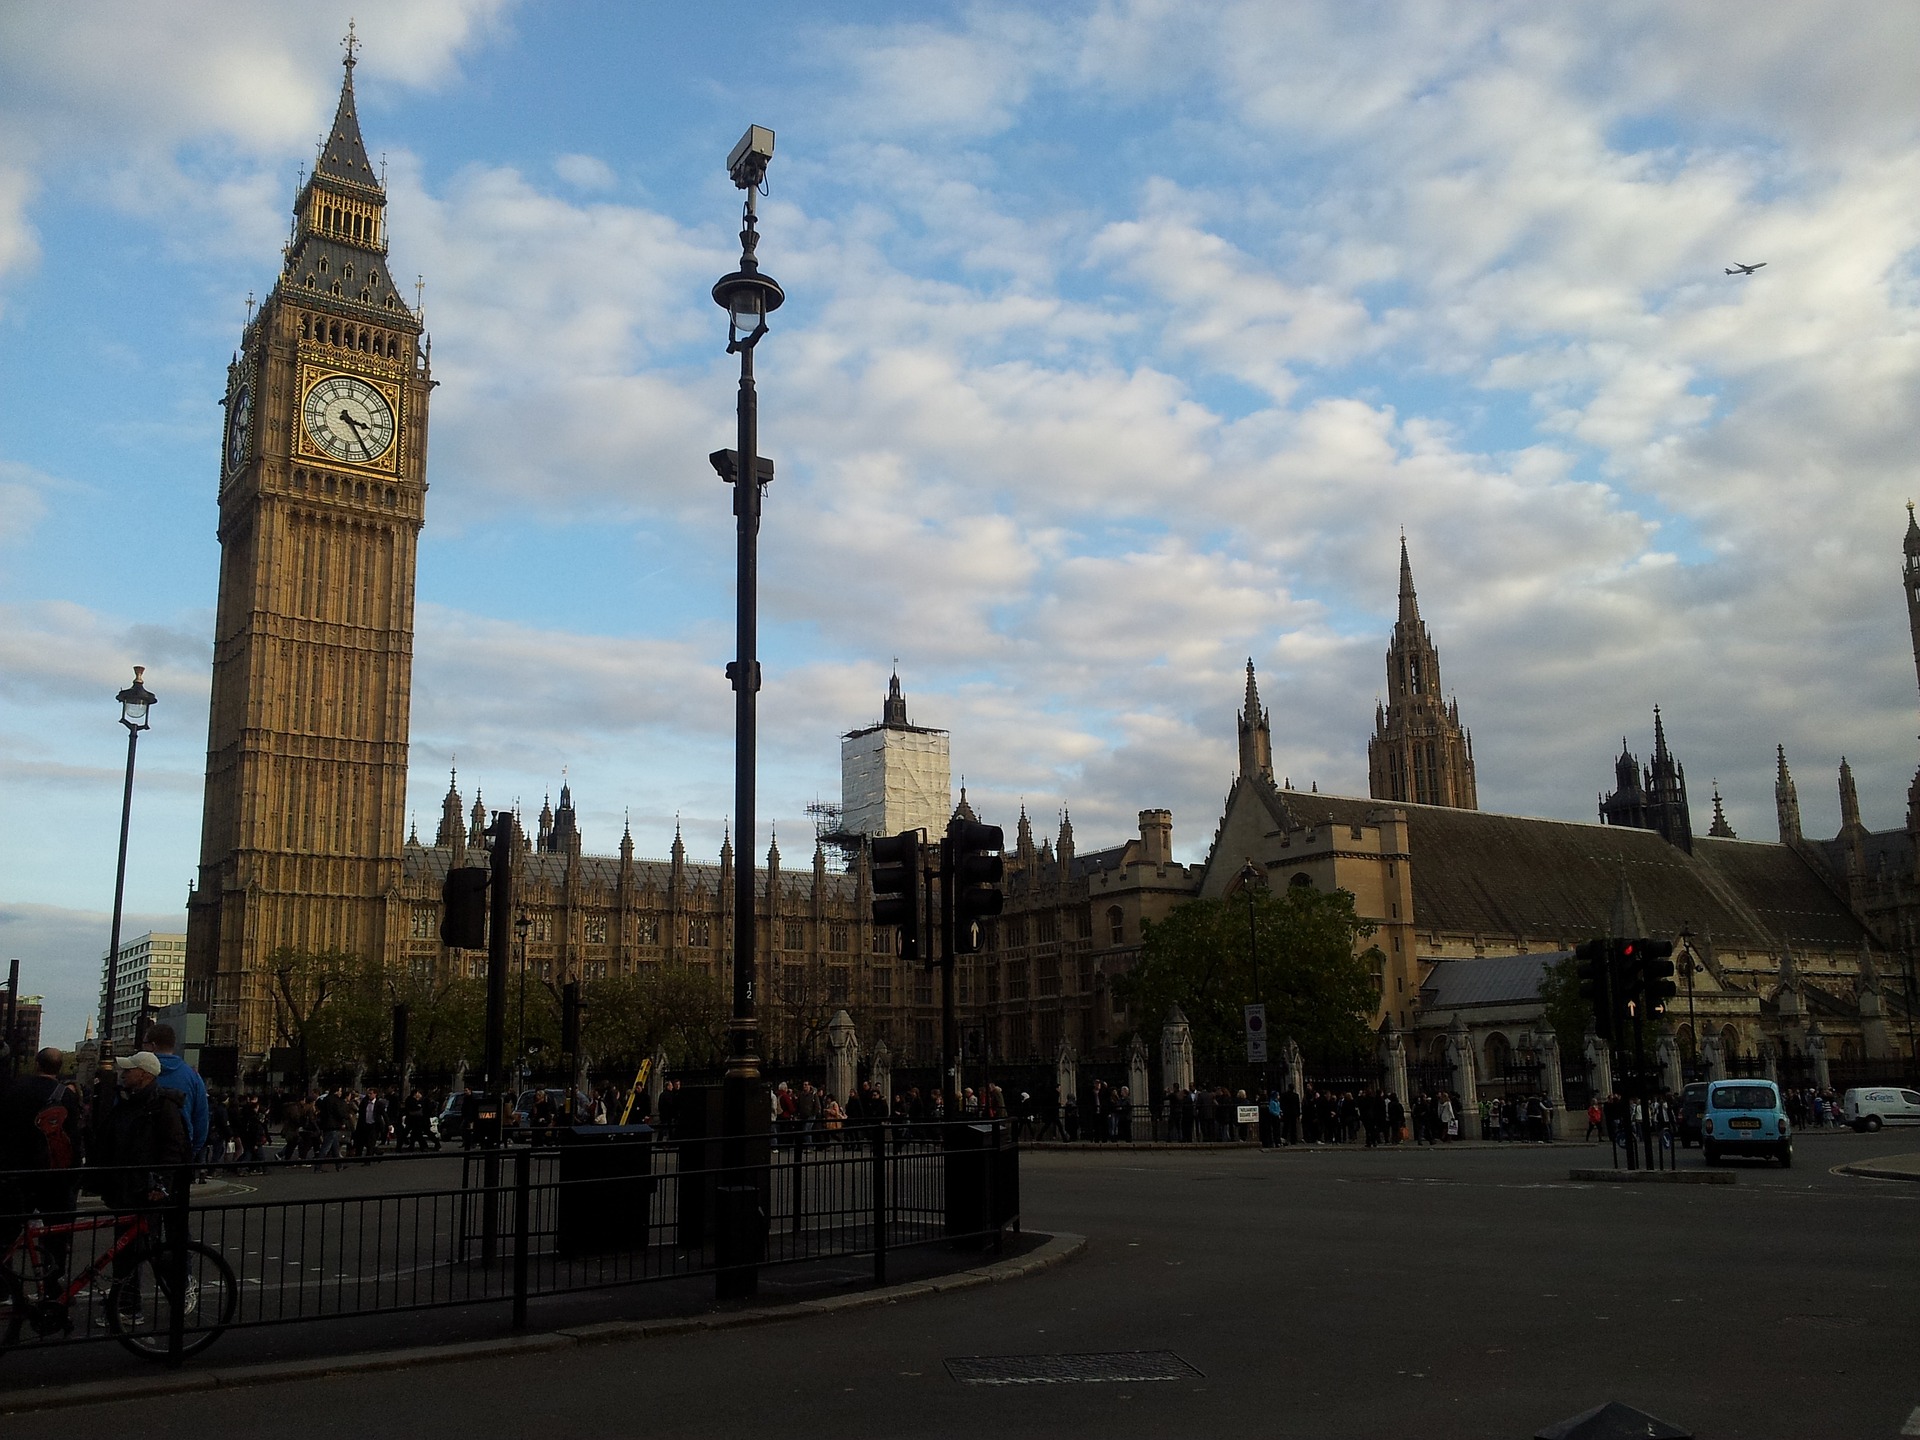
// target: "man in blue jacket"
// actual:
[[176, 1074]]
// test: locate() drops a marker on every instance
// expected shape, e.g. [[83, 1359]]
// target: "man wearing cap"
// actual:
[[145, 1139], [145, 1143]]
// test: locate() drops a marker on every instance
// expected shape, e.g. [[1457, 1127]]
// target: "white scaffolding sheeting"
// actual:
[[895, 779]]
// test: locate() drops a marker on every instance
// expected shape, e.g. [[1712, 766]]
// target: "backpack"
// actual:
[[51, 1122]]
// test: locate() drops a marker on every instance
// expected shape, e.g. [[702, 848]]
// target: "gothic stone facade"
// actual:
[[1071, 923], [322, 493]]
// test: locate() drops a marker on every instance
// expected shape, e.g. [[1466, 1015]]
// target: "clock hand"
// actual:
[[361, 440]]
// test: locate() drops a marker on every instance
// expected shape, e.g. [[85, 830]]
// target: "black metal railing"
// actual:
[[414, 1232]]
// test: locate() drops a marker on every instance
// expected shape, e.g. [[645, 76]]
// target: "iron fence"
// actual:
[[521, 1223]]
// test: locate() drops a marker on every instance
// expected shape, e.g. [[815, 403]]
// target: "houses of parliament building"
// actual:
[[1800, 943]]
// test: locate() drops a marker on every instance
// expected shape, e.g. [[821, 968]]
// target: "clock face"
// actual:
[[239, 418], [348, 419]]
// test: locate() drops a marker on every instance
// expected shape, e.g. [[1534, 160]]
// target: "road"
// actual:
[[1319, 1292]]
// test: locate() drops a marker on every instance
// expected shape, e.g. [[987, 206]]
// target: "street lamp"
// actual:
[[1688, 964], [520, 928], [135, 701], [749, 298]]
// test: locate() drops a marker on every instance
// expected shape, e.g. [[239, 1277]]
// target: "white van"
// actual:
[[1872, 1106]]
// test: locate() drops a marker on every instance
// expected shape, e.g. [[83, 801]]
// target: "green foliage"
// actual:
[[1569, 1015], [340, 1008], [1199, 958], [681, 1008]]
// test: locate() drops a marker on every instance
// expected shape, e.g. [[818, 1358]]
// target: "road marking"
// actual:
[[1912, 1427]]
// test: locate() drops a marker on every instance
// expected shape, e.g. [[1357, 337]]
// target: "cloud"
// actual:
[[585, 172], [1120, 345]]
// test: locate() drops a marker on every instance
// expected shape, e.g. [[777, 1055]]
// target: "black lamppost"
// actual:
[[748, 298], [135, 701], [520, 927], [1689, 964], [1250, 876]]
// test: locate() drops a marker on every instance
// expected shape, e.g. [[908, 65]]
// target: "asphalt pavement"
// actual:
[[1319, 1292]]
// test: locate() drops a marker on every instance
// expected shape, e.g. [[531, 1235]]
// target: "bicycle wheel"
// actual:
[[140, 1305], [13, 1308]]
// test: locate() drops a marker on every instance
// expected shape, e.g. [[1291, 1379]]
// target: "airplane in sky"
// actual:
[[1739, 269]]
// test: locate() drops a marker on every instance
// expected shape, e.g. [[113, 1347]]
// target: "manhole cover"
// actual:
[[1127, 1365]]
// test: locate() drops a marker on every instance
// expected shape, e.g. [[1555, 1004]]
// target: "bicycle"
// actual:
[[207, 1308]]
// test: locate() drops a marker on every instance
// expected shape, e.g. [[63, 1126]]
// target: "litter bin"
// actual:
[[982, 1179], [606, 1189]]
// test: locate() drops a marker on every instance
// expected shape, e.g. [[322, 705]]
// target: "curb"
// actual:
[[1056, 1250], [1868, 1170], [1658, 1177], [1135, 1147]]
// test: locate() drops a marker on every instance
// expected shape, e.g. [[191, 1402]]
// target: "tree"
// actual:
[[682, 1009], [1567, 1012], [1315, 988]]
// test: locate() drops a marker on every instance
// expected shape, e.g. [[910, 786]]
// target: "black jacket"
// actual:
[[22, 1146], [147, 1133]]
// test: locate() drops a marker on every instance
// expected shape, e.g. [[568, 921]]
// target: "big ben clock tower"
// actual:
[[322, 489]]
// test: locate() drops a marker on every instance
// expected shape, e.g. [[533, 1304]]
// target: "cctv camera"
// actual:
[[747, 162]]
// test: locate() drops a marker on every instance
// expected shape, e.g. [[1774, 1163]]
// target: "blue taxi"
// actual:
[[1745, 1117]]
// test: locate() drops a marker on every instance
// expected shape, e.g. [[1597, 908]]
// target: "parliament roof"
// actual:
[[1475, 872]]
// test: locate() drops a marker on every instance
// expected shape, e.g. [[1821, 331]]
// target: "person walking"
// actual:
[[140, 1156], [40, 1137], [330, 1111], [181, 1078]]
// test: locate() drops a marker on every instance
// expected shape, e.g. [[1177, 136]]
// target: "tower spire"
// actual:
[[1786, 801], [1720, 830], [1409, 601], [1256, 734], [1419, 752]]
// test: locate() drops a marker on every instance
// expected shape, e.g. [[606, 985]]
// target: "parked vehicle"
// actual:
[[1693, 1103], [450, 1123], [1745, 1117], [1871, 1106]]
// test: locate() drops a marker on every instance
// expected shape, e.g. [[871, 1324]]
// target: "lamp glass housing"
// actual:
[[133, 714]]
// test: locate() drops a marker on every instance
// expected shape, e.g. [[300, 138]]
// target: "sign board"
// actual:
[[1248, 1115], [1256, 1016]]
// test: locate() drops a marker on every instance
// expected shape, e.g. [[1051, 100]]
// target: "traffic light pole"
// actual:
[[949, 1026]]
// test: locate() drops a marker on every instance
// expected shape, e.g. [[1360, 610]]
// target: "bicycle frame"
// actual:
[[133, 1229]]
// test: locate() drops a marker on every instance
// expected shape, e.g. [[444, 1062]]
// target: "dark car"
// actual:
[[451, 1122], [1693, 1104]]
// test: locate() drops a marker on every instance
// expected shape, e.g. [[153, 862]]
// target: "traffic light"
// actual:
[[463, 908], [570, 1017], [897, 888], [972, 879], [1656, 974], [1596, 984]]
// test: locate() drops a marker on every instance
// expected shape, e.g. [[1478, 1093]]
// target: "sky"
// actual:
[[1122, 342]]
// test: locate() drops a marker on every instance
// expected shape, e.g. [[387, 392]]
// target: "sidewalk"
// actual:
[[145, 1381]]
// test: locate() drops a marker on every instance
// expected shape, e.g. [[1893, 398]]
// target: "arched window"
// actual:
[[1117, 924], [1302, 879], [1729, 1041], [1499, 1054]]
